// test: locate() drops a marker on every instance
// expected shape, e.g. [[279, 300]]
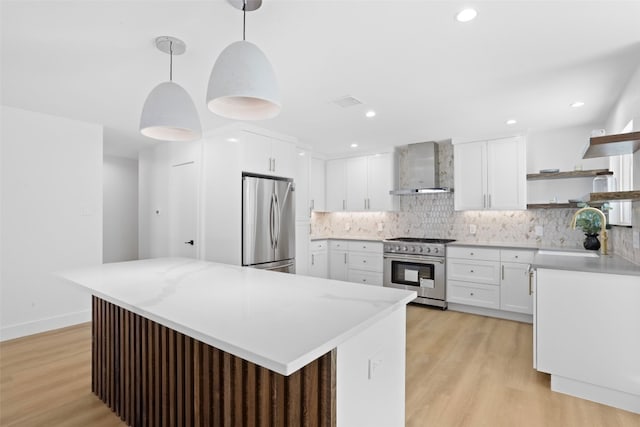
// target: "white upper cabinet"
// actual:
[[490, 174], [301, 180], [357, 179], [361, 183], [266, 155], [317, 184], [336, 199]]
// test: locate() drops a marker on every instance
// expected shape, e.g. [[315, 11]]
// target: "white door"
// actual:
[[336, 188], [514, 288], [356, 173], [470, 176], [380, 182], [506, 176], [338, 265], [183, 210]]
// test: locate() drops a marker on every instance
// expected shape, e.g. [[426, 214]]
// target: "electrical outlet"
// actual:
[[539, 230], [636, 239], [472, 229], [347, 227], [374, 365]]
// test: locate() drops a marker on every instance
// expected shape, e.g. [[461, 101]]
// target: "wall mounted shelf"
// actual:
[[612, 145], [572, 205], [615, 196], [571, 174]]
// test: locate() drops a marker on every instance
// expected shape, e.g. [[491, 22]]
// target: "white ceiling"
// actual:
[[427, 76]]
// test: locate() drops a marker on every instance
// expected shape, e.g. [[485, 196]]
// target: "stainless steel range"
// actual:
[[417, 265]]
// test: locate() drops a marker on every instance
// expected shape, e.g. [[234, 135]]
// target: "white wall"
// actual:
[[120, 209], [560, 149], [51, 219]]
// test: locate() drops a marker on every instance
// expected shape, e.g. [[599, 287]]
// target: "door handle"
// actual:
[[190, 242]]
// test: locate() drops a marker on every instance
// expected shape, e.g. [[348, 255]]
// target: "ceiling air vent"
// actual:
[[347, 101]]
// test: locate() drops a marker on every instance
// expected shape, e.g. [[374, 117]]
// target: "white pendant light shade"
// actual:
[[169, 114], [243, 85]]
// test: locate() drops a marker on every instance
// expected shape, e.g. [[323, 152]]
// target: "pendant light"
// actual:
[[242, 84], [169, 113]]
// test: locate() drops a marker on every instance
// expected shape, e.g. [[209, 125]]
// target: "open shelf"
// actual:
[[572, 174], [572, 205], [612, 145], [615, 196]]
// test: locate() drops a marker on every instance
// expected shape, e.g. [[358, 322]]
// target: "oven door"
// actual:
[[425, 275]]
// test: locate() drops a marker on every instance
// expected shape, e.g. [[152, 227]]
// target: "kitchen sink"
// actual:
[[583, 254]]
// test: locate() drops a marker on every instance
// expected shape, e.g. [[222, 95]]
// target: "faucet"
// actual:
[[603, 229]]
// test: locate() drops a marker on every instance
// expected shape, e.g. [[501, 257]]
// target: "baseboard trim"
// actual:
[[617, 399], [507, 315], [44, 325]]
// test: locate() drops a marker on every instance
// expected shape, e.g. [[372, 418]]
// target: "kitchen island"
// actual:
[[188, 342]]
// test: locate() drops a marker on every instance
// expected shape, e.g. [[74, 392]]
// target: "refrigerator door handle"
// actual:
[[277, 221], [271, 221]]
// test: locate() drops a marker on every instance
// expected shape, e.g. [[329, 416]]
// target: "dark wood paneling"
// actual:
[[151, 375]]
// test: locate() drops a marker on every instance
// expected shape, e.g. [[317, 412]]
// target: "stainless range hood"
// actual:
[[421, 171]]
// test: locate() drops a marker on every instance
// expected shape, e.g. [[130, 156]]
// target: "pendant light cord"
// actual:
[[170, 61], [244, 19]]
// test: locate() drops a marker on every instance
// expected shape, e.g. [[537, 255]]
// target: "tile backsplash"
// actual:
[[434, 216]]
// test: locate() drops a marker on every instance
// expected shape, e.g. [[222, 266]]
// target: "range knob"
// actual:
[[397, 248], [435, 250], [428, 250], [413, 248], [404, 249], [421, 249]]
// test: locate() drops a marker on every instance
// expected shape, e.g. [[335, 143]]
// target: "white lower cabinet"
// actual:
[[355, 261], [489, 277], [318, 265], [338, 260]]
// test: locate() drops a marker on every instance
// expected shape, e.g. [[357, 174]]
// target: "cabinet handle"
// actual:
[[344, 205], [502, 271], [489, 201], [364, 280], [313, 204], [313, 259], [484, 201], [274, 164], [345, 257], [470, 271], [471, 293], [309, 229], [364, 261], [365, 204], [530, 282]]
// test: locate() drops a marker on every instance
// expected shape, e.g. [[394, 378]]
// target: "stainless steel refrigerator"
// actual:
[[268, 223]]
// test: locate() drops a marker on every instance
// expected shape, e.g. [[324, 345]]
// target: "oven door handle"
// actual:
[[422, 259]]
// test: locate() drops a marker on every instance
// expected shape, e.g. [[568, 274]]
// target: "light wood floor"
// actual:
[[462, 370]]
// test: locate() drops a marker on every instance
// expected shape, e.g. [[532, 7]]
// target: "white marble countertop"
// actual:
[[276, 320], [355, 239], [607, 264]]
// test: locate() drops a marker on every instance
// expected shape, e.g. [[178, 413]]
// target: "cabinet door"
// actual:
[[515, 294], [380, 180], [506, 176], [336, 188], [283, 156], [318, 264], [356, 173], [256, 153], [316, 184], [301, 180], [470, 176], [338, 265]]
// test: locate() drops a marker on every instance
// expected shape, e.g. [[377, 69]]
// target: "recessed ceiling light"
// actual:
[[577, 104], [466, 15], [370, 113], [512, 122], [354, 145], [232, 139], [301, 154]]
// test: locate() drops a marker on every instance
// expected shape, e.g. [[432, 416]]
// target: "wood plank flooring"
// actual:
[[462, 370]]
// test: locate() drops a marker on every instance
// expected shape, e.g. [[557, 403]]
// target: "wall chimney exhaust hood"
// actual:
[[420, 172]]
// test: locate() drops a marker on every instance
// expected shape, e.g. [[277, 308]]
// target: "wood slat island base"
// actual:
[[151, 375]]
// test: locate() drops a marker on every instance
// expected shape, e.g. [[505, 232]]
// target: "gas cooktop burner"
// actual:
[[419, 240]]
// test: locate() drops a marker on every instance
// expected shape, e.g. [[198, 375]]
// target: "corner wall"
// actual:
[[51, 219]]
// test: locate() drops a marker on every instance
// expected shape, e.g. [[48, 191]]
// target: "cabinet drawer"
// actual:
[[362, 246], [473, 294], [515, 255], [318, 245], [369, 262], [338, 245], [477, 271], [365, 277], [469, 252]]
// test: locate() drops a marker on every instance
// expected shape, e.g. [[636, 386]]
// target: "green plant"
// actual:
[[589, 221]]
